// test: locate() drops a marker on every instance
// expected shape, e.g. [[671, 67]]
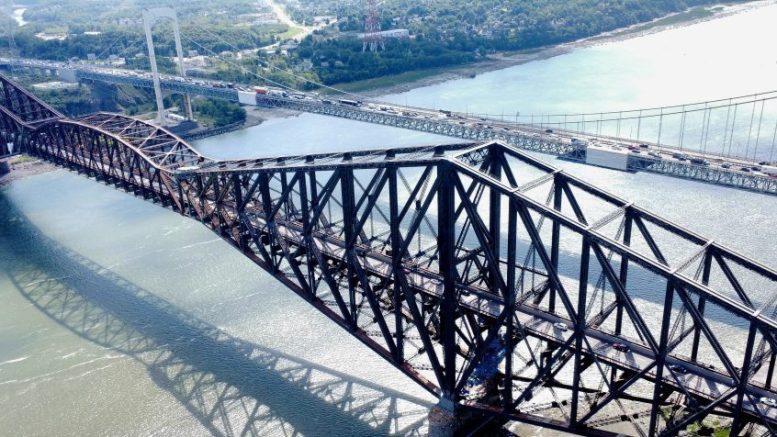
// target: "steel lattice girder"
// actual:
[[27, 107], [415, 252]]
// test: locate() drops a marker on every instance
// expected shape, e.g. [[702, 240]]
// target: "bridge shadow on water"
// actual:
[[231, 386]]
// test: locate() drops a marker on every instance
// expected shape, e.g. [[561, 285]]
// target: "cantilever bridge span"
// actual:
[[510, 289]]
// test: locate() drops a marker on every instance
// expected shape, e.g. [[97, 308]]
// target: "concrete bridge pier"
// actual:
[[444, 420]]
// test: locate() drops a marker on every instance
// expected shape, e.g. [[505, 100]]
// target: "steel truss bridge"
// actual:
[[699, 123], [509, 289]]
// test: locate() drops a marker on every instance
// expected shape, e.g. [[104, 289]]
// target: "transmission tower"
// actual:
[[372, 36]]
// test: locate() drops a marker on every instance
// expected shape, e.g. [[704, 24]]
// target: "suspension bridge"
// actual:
[[729, 142], [509, 289]]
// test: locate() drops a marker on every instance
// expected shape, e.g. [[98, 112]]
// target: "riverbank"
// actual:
[[404, 82], [23, 166]]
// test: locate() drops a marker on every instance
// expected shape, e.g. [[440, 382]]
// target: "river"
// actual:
[[122, 318]]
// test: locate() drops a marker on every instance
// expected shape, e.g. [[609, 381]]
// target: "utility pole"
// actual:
[[150, 16]]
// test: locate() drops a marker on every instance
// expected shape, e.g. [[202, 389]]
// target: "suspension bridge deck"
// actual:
[[551, 138]]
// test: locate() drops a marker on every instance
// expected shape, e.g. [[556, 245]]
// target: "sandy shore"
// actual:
[[23, 166]]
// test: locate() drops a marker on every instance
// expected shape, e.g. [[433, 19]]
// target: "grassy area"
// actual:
[[290, 33], [22, 159]]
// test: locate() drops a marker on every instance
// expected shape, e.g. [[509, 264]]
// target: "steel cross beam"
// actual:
[[474, 269]]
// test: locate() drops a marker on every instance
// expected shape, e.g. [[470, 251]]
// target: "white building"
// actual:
[[393, 33]]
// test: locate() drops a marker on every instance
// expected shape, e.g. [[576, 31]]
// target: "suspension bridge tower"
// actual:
[[150, 17], [372, 36]]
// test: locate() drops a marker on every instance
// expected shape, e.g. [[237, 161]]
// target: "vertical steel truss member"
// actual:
[[498, 283]]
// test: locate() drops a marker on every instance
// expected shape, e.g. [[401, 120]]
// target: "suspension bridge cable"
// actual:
[[100, 55], [241, 67], [774, 140], [746, 97], [758, 131], [660, 114], [731, 135], [750, 131]]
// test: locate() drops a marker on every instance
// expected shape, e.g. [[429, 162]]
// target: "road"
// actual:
[[280, 12]]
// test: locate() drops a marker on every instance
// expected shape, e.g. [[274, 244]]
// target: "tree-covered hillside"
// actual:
[[445, 32], [441, 33]]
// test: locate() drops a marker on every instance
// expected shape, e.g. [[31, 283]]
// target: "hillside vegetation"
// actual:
[[443, 33]]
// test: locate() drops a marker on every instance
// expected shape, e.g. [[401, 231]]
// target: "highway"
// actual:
[[609, 152]]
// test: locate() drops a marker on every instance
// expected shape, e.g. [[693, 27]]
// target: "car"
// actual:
[[636, 151], [678, 369], [680, 156], [620, 347], [725, 165], [756, 168], [768, 401], [548, 131], [745, 169], [560, 326], [644, 146]]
